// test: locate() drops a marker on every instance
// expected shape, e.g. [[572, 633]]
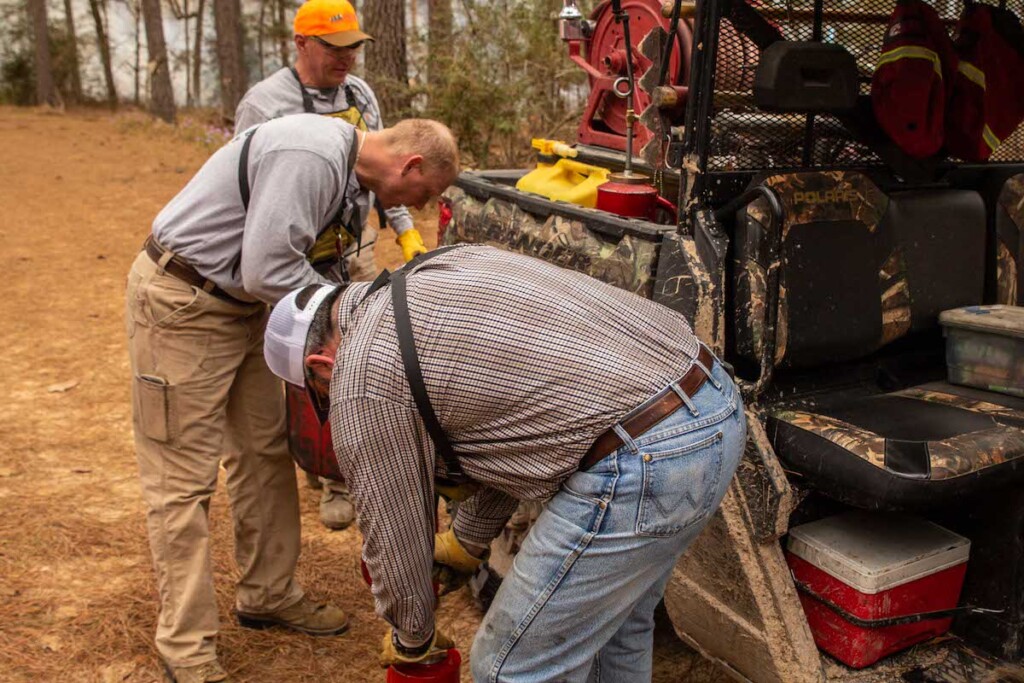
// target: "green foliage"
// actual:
[[17, 80], [506, 79], [17, 71]]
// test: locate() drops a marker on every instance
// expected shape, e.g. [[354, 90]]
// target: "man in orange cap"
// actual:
[[327, 40]]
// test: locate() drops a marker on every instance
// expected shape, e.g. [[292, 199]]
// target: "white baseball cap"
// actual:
[[284, 344]]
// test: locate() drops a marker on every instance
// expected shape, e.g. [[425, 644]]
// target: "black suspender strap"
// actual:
[[382, 218], [355, 226], [307, 99], [411, 361], [350, 99], [243, 169]]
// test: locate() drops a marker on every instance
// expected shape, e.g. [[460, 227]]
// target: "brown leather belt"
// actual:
[[181, 269], [651, 412]]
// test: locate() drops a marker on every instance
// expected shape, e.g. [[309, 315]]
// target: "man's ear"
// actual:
[[320, 365], [415, 161]]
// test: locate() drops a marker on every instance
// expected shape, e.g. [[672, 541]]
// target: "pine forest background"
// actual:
[[494, 70]]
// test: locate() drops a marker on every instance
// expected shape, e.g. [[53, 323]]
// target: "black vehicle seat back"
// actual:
[[1010, 243], [842, 289], [857, 268], [941, 234]]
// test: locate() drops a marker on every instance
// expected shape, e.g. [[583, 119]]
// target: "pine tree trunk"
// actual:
[[227, 19], [284, 33], [197, 58], [72, 48], [161, 100], [46, 88], [104, 45], [187, 54], [439, 41], [137, 69], [386, 62], [260, 33]]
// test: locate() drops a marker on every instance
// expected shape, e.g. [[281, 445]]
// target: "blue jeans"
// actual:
[[579, 601]]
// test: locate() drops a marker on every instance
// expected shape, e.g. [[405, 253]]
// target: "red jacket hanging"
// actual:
[[913, 78], [987, 103]]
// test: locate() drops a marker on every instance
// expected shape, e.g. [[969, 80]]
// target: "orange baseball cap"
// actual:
[[333, 21]]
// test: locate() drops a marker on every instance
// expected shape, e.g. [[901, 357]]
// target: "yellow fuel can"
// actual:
[[566, 180]]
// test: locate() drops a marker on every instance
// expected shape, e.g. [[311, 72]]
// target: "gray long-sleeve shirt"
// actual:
[[298, 169], [525, 364], [279, 95]]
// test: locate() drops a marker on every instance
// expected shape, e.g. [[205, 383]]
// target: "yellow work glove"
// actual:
[[454, 566], [412, 244], [392, 653], [457, 492]]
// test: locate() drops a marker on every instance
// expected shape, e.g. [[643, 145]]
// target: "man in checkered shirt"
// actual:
[[550, 386]]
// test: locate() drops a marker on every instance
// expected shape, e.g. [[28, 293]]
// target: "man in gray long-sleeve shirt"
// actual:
[[549, 386], [327, 40], [239, 236]]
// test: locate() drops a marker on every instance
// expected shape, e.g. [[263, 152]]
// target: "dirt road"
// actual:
[[78, 192]]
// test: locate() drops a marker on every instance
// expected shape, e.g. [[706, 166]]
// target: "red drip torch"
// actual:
[[442, 667]]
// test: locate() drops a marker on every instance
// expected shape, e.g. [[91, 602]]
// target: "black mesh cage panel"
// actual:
[[745, 138]]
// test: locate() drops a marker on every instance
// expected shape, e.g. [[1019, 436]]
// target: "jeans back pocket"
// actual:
[[679, 485]]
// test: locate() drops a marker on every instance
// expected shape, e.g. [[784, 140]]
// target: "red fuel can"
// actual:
[[867, 582], [632, 196], [444, 671]]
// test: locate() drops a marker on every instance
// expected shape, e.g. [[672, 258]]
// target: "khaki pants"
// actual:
[[202, 393]]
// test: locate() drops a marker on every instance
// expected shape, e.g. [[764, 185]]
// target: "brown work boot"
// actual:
[[207, 672], [305, 616], [313, 481], [336, 508]]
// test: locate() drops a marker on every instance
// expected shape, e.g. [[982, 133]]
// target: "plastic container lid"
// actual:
[[873, 552], [1007, 321]]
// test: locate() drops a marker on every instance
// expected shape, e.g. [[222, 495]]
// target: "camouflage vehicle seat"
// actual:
[[848, 274]]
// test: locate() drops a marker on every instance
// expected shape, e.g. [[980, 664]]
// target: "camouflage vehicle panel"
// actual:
[[627, 263], [682, 272]]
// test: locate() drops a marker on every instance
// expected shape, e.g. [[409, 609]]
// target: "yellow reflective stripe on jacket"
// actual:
[[911, 52], [972, 73], [990, 138]]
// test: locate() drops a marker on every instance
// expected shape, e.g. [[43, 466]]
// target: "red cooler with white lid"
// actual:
[[868, 582]]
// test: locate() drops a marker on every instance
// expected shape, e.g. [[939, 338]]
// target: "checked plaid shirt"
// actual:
[[525, 363]]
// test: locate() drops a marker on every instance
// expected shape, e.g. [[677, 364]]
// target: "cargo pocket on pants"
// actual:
[[157, 418]]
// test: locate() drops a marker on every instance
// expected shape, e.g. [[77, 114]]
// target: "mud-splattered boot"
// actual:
[[207, 672], [305, 616], [337, 510]]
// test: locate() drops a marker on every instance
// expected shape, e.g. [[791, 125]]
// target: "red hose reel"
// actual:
[[604, 119]]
